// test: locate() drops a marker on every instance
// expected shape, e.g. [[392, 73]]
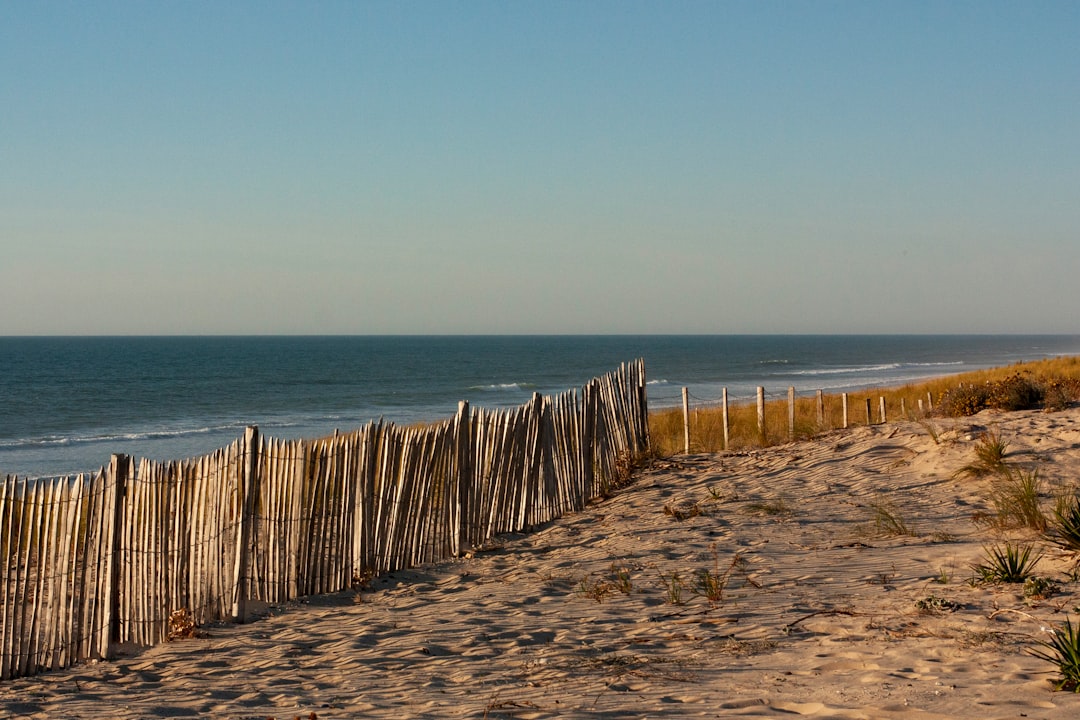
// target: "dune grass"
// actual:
[[1053, 384]]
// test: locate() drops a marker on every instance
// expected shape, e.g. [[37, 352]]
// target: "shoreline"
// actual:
[[819, 612]]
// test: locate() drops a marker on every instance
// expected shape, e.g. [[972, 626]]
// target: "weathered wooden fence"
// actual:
[[822, 424], [90, 563]]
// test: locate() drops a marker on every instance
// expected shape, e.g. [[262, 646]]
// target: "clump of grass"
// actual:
[[1015, 497], [889, 522], [990, 450], [930, 427], [777, 506], [595, 588], [620, 578], [1007, 564], [1063, 650], [674, 587], [711, 583]]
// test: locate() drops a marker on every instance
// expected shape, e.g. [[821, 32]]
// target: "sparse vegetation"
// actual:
[[775, 507], [1039, 588], [1016, 499], [674, 587], [888, 521], [990, 450], [711, 583], [684, 511], [933, 604]]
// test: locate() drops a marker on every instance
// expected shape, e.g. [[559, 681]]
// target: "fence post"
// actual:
[[869, 416], [119, 467], [791, 412], [930, 401], [843, 397], [465, 491], [686, 419], [761, 413], [248, 490], [881, 408], [820, 410], [725, 419]]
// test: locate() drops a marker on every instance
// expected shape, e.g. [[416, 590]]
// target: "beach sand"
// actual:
[[819, 614]]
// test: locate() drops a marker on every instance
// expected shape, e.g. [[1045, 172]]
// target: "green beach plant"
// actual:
[[1065, 528], [1007, 564], [1062, 650]]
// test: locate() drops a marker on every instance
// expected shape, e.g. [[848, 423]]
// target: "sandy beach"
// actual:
[[818, 607]]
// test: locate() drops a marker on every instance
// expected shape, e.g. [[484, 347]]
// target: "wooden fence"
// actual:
[[821, 424], [90, 563]]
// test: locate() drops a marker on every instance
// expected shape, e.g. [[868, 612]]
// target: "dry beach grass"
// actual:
[[830, 578]]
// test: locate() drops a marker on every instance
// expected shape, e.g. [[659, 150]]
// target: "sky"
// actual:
[[539, 167]]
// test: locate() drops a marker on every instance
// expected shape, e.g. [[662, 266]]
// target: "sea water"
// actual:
[[67, 404]]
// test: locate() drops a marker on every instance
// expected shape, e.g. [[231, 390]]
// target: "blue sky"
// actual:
[[539, 167]]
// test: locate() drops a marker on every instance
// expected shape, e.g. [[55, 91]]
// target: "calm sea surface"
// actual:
[[67, 404]]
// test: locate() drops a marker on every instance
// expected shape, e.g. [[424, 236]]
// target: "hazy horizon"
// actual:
[[484, 168]]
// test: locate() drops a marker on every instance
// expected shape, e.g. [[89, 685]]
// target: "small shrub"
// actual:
[[1063, 650], [934, 604], [1016, 392], [963, 400], [182, 625], [1039, 588], [1008, 564], [1060, 393]]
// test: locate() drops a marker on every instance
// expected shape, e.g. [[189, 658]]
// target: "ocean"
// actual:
[[68, 403]]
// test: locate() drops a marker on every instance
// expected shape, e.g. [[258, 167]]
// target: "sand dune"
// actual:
[[823, 612]]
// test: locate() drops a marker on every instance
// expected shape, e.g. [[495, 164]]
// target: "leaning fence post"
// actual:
[[247, 489], [686, 419]]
